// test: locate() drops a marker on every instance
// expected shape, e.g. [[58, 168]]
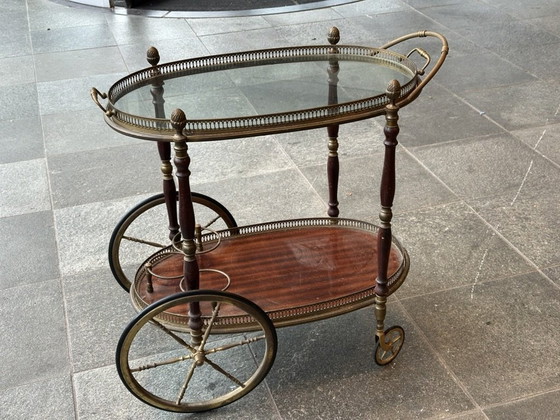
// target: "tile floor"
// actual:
[[477, 208]]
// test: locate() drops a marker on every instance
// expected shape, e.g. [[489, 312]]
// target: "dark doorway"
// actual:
[[224, 5]]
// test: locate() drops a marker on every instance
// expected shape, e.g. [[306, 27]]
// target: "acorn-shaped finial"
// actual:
[[178, 120], [152, 56], [393, 90], [334, 35]]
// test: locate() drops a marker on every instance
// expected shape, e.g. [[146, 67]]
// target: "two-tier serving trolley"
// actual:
[[210, 293]]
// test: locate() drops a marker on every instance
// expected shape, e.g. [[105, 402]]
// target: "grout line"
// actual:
[[522, 184], [539, 140], [522, 398], [441, 360], [55, 230]]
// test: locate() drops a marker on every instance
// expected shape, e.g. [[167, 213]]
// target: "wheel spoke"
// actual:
[[142, 241], [214, 220], [174, 336], [223, 372], [162, 363], [233, 345], [394, 340], [179, 376], [186, 384], [215, 312]]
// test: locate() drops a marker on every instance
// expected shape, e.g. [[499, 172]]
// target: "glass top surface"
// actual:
[[264, 88]]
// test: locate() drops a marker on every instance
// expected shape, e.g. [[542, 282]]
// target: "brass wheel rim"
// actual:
[[197, 356]]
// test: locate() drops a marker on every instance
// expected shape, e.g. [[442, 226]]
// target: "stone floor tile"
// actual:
[[553, 273], [102, 174], [49, 399], [326, 369], [316, 33], [16, 71], [211, 26], [34, 345], [544, 140], [480, 71], [369, 6], [243, 41], [421, 4], [100, 395], [84, 131], [76, 93], [60, 15], [97, 310], [19, 102], [527, 9], [473, 415], [30, 253], [273, 196], [71, 38], [14, 22], [75, 64], [14, 5], [518, 107], [539, 60], [465, 14], [83, 233], [21, 140], [387, 26], [35, 196], [439, 117], [15, 46], [451, 246], [169, 50], [310, 148], [544, 406], [214, 161], [491, 166], [507, 37], [549, 22], [507, 329], [133, 29], [317, 15], [524, 218]]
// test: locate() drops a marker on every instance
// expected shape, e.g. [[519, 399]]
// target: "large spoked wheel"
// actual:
[[159, 364], [394, 340], [143, 230]]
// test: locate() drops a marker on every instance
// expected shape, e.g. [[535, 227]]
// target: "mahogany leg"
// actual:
[[332, 161], [169, 188], [333, 171], [187, 223], [387, 194], [164, 148]]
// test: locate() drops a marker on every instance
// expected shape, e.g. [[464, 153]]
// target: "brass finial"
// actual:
[[393, 90], [334, 36], [178, 120], [152, 56]]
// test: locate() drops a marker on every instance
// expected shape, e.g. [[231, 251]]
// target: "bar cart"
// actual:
[[210, 293]]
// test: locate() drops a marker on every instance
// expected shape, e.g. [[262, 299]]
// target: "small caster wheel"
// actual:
[[394, 340], [160, 364]]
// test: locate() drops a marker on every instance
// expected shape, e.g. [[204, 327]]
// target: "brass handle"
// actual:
[[435, 67], [94, 93], [423, 54]]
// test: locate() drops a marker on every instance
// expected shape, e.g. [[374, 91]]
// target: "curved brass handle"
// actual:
[[424, 54], [444, 51], [94, 93]]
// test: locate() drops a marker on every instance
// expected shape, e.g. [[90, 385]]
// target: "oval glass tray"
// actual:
[[259, 92]]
